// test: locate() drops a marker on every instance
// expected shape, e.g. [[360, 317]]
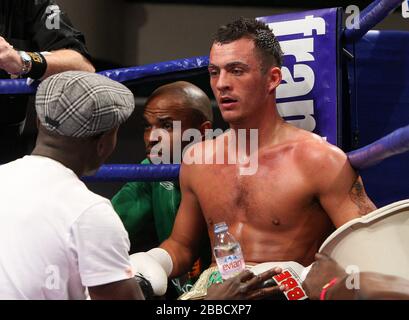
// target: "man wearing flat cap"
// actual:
[[58, 238]]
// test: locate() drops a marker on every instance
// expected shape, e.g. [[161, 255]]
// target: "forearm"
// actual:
[[378, 286], [64, 60], [182, 257], [372, 286]]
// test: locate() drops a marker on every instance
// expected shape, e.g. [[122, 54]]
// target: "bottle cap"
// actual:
[[220, 227]]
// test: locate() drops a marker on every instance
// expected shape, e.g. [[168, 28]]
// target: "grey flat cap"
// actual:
[[82, 104]]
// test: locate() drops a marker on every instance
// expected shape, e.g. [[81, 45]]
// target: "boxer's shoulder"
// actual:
[[313, 149]]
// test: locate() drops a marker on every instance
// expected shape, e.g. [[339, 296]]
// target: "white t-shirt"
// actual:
[[56, 236]]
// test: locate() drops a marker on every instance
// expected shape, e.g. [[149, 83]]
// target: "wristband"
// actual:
[[38, 65], [145, 286], [326, 287]]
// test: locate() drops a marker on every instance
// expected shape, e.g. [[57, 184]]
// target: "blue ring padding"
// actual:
[[370, 17], [134, 73], [392, 144], [135, 172], [20, 86], [17, 86]]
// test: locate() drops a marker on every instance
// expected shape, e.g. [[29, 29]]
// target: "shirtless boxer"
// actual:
[[303, 187]]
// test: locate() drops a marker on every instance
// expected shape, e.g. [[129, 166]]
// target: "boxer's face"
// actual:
[[236, 79], [159, 114]]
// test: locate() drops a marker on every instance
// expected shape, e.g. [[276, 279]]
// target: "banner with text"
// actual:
[[308, 94]]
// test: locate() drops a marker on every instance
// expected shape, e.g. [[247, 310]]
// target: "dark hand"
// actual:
[[245, 286], [323, 270]]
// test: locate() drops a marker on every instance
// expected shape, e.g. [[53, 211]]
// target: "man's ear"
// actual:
[[106, 143], [275, 78], [101, 145]]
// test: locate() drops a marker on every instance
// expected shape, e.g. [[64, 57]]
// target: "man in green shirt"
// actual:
[[148, 209]]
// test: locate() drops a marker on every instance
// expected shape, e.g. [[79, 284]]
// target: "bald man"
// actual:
[[148, 209]]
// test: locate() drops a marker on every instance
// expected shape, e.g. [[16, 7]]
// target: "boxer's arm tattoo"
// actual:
[[359, 197]]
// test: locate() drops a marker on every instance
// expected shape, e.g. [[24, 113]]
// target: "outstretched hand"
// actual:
[[245, 286]]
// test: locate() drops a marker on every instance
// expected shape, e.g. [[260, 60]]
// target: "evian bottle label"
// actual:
[[230, 266]]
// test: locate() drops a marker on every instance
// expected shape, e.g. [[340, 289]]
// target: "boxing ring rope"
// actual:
[[155, 69], [20, 86], [370, 17], [392, 144], [17, 86], [135, 172]]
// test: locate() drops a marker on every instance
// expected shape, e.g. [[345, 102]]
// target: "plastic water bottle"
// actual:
[[227, 252]]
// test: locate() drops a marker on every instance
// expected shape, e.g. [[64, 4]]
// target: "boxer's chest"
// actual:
[[273, 196]]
